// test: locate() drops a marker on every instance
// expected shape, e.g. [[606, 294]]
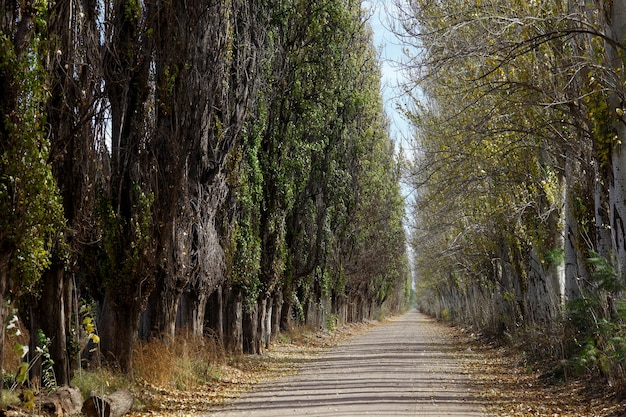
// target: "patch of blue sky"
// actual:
[[391, 53]]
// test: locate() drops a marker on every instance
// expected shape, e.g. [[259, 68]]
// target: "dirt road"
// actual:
[[406, 367]]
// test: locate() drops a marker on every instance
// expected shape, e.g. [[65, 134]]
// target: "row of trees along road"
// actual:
[[219, 165], [520, 168]]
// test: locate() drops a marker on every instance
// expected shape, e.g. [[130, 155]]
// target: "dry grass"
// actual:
[[103, 381], [230, 377], [167, 373], [182, 363]]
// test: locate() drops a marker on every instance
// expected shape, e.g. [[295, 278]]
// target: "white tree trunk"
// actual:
[[601, 213], [616, 29], [557, 271], [618, 205], [573, 269]]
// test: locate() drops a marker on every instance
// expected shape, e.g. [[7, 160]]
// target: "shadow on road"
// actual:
[[406, 367]]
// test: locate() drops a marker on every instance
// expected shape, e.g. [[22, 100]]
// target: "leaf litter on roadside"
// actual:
[[511, 388], [240, 374]]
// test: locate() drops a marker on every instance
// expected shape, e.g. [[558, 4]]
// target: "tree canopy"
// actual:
[[518, 161], [211, 166]]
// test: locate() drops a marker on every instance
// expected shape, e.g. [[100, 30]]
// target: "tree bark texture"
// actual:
[[251, 329], [113, 405], [233, 320], [192, 312], [615, 14], [118, 325], [215, 313], [51, 316], [575, 272], [65, 402], [276, 315]]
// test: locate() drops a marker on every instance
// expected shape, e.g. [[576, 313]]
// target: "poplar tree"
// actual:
[[517, 151]]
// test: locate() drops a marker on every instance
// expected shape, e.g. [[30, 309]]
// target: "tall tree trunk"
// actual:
[[233, 320], [117, 325], [128, 220], [618, 203], [285, 316], [159, 317], [602, 210], [251, 331], [616, 29], [215, 312], [575, 271], [21, 156], [54, 321], [4, 267], [192, 311], [74, 67], [276, 316], [265, 326], [203, 294]]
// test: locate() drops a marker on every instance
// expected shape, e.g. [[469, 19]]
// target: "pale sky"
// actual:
[[390, 52]]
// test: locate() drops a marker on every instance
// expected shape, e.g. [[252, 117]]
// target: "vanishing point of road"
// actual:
[[404, 367]]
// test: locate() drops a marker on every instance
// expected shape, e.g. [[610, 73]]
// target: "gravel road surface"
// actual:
[[404, 367]]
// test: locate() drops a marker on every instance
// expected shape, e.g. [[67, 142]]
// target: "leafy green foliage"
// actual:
[[600, 330], [243, 261], [316, 180], [48, 379], [31, 215], [126, 244]]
